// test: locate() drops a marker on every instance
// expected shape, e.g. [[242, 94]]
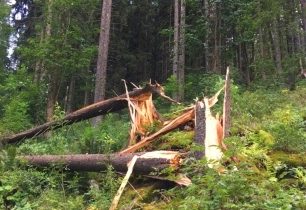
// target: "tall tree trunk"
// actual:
[[179, 48], [245, 63], [181, 59], [70, 95], [53, 89], [262, 52], [39, 63], [176, 46], [206, 54], [303, 8], [52, 92], [217, 40], [276, 45], [100, 83]]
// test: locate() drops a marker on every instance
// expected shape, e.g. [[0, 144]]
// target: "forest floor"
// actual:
[[268, 136]]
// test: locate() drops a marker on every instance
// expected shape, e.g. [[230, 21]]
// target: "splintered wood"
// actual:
[[171, 125], [143, 115]]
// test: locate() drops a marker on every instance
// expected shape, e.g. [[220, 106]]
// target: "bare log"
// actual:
[[147, 163], [96, 109], [171, 125]]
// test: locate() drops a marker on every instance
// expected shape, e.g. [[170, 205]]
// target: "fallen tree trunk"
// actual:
[[146, 163], [171, 125], [96, 109]]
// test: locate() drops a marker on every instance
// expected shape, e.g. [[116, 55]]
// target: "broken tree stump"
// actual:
[[227, 105], [99, 108], [147, 162], [143, 115], [200, 132]]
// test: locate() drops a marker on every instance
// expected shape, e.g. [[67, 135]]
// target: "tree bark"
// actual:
[[96, 109], [200, 131], [176, 46], [70, 95], [52, 86], [276, 45], [100, 83], [181, 58], [147, 162], [227, 105], [303, 8], [206, 56]]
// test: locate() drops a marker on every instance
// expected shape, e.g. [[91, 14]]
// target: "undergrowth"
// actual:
[[268, 136]]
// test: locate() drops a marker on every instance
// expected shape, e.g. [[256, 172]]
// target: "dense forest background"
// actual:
[[48, 63], [56, 46]]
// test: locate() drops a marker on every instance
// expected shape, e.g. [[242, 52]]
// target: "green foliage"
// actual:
[[268, 133], [19, 99], [101, 193], [16, 117], [176, 140], [108, 137]]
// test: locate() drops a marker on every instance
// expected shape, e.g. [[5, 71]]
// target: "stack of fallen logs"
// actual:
[[143, 113], [209, 132]]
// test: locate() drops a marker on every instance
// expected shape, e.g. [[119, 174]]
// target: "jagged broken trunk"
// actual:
[[143, 115]]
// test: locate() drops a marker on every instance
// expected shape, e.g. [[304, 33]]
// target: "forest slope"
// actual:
[[268, 136]]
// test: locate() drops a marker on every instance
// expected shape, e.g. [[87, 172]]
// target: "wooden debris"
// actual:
[[143, 115], [125, 180], [147, 163], [171, 125], [214, 137]]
